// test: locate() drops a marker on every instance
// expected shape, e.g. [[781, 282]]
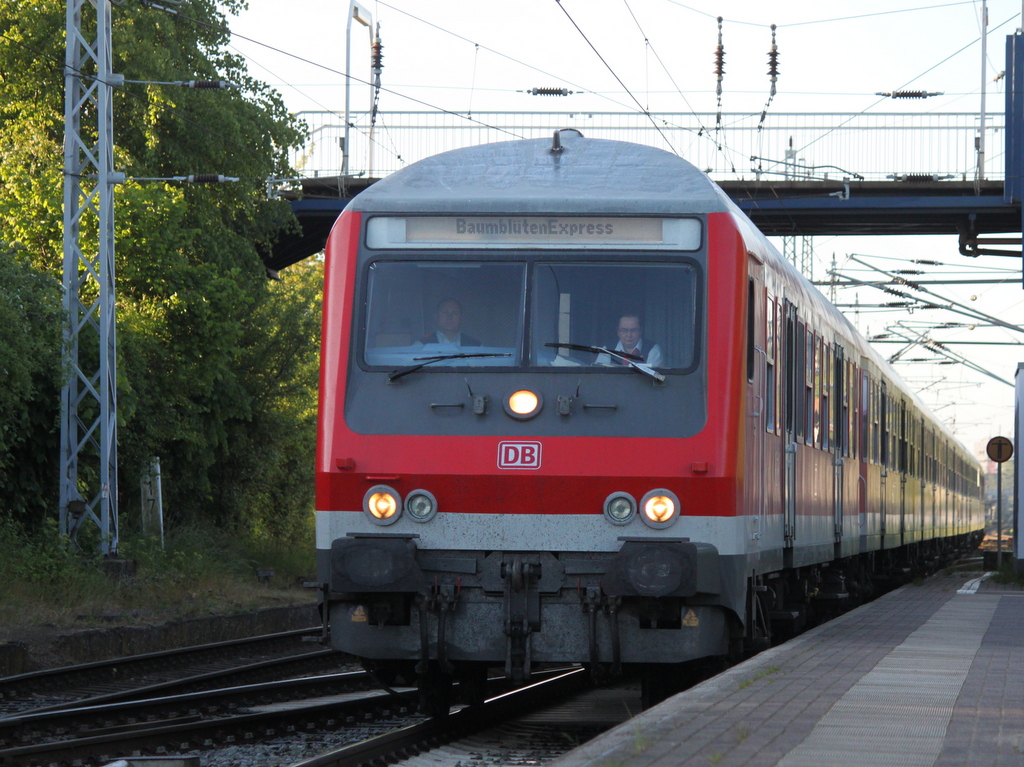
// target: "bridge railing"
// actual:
[[875, 146]]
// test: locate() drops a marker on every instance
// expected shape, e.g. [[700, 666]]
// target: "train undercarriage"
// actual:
[[666, 611]]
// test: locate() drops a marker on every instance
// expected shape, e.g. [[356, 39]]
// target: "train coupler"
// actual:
[[442, 599], [522, 614]]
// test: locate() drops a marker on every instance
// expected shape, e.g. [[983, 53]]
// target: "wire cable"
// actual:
[[617, 78]]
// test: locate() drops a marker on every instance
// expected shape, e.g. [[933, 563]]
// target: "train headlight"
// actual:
[[382, 504], [619, 508], [659, 508], [420, 505], [523, 404]]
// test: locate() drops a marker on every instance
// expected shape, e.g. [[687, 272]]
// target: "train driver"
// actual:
[[449, 326], [632, 341]]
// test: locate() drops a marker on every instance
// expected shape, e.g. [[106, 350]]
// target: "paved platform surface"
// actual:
[[923, 676]]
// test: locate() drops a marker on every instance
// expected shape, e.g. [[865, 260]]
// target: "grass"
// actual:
[[745, 683], [1008, 572], [200, 571]]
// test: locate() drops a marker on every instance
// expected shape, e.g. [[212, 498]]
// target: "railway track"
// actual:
[[527, 726], [267, 657], [330, 708], [96, 734]]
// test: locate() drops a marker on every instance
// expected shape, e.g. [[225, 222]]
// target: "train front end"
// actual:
[[499, 481]]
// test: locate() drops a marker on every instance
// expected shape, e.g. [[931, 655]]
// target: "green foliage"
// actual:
[[217, 366], [202, 570], [30, 379]]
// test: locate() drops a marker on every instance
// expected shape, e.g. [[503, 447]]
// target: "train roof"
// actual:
[[532, 175]]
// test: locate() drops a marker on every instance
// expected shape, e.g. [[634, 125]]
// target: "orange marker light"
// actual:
[[382, 505], [660, 508]]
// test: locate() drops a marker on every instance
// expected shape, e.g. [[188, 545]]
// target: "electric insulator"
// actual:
[[377, 55], [549, 91], [208, 178], [720, 53], [773, 59], [910, 94], [208, 85]]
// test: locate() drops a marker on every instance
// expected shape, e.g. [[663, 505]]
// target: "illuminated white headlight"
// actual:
[[523, 404], [420, 505], [382, 504], [619, 508], [659, 508]]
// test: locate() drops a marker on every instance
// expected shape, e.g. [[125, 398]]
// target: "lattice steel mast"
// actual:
[[88, 470]]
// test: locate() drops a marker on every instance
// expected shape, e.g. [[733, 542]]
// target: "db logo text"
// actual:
[[519, 455]]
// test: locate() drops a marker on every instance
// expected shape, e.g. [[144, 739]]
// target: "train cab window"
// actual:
[[614, 306], [470, 313]]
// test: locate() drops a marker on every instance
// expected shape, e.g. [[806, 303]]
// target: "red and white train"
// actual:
[[500, 483]]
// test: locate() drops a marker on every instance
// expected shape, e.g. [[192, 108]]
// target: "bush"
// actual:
[[201, 570]]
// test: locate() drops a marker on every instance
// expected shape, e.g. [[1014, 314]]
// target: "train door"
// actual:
[[755, 493], [837, 382], [794, 367]]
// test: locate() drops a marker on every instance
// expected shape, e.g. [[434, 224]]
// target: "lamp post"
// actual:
[[363, 16]]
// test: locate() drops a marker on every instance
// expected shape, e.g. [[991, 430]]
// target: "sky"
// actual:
[[483, 56]]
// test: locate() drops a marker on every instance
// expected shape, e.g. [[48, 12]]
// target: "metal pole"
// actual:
[[984, 55], [360, 14], [348, 82], [999, 516]]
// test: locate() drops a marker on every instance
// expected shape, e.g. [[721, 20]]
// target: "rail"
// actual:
[[875, 146]]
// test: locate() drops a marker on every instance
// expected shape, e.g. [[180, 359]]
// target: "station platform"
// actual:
[[926, 675]]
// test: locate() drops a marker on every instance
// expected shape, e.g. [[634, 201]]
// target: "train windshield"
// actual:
[[461, 312], [646, 310], [473, 314]]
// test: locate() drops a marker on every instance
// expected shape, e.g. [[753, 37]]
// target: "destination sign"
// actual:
[[533, 231]]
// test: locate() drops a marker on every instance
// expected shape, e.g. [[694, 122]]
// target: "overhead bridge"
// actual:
[[911, 173], [778, 208]]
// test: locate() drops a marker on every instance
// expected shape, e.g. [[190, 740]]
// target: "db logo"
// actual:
[[519, 455]]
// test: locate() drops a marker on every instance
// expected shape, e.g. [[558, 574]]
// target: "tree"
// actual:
[[197, 320], [30, 380]]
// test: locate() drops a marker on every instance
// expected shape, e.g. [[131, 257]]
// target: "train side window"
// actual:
[[837, 424], [800, 381], [751, 325], [810, 423], [769, 350], [884, 419], [902, 426], [854, 414], [827, 429], [790, 367]]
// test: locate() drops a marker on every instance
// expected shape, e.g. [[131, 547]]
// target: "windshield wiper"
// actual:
[[633, 360], [396, 374]]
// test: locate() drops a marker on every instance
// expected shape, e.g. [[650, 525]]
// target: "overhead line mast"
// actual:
[[88, 434]]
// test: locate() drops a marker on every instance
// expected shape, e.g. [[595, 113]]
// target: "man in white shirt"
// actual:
[[632, 341], [449, 326]]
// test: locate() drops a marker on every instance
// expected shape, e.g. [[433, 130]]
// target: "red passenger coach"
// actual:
[[576, 408]]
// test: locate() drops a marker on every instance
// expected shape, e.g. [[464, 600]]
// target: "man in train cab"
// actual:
[[632, 341], [449, 326]]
